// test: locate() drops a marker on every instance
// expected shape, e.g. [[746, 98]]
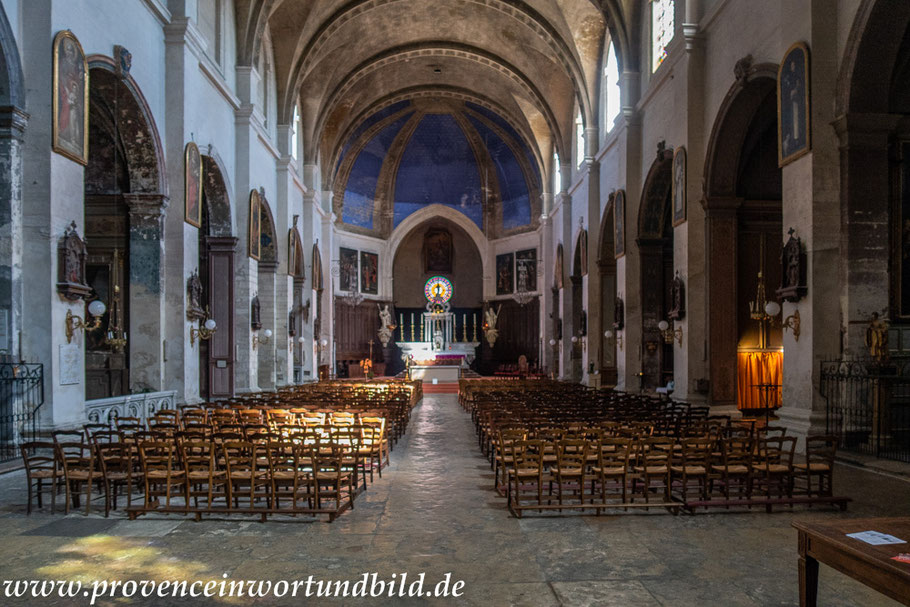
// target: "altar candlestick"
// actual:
[[412, 326], [401, 324], [474, 317], [464, 327]]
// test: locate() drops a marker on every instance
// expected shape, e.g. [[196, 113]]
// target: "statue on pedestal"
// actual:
[[386, 325], [490, 332]]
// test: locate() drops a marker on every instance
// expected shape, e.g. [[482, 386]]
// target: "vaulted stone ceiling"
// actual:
[[533, 61]]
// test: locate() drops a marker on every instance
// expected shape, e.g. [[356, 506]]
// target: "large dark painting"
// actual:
[[369, 273], [526, 263], [437, 250], [558, 268], [70, 107], [347, 277], [192, 181], [505, 274], [679, 186], [619, 224], [793, 104], [255, 240]]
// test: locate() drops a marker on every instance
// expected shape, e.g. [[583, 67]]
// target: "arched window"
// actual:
[[579, 139], [295, 128], [265, 78], [209, 20], [610, 86], [557, 174], [663, 24]]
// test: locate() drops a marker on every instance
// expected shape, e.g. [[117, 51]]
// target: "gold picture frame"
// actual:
[[192, 185], [255, 237], [794, 113], [680, 183], [70, 104], [619, 224]]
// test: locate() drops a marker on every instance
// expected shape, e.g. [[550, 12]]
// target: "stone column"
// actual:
[[267, 351], [12, 128], [147, 305], [547, 313], [565, 313], [593, 304]]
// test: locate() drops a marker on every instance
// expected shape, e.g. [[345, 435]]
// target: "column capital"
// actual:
[[268, 267], [13, 121], [865, 130], [146, 208]]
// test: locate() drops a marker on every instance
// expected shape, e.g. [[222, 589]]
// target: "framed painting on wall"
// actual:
[[70, 101], [794, 128], [255, 237], [437, 250], [347, 269], [526, 262], [505, 274], [369, 273], [192, 205], [619, 224], [557, 268], [679, 186]]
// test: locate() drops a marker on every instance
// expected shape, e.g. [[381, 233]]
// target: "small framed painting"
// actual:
[[794, 128], [192, 185], [255, 244], [369, 273], [505, 274], [679, 186], [347, 277], [619, 224], [70, 101]]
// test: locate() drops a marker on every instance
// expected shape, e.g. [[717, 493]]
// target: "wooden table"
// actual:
[[872, 565]]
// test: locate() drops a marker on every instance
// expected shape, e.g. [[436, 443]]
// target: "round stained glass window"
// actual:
[[438, 289]]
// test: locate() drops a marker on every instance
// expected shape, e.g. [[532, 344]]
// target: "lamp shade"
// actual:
[[552, 342], [267, 333], [97, 308], [324, 342], [574, 339], [772, 308], [663, 325], [300, 340], [608, 334], [210, 324]]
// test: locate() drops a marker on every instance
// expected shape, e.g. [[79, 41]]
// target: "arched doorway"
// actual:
[[607, 266], [744, 237], [124, 196], [579, 315], [440, 247], [655, 244], [266, 296], [873, 125], [319, 363], [299, 314], [216, 273]]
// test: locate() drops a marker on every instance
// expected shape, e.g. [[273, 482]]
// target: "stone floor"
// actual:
[[434, 511]]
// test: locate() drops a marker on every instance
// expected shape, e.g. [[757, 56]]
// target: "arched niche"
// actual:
[[125, 193], [873, 125], [606, 265], [655, 245], [217, 250], [743, 205], [576, 280]]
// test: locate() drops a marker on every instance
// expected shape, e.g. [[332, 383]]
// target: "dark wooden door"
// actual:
[[220, 347]]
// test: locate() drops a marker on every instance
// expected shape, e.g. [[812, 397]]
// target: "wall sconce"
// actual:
[[207, 328], [76, 323], [579, 339], [554, 344], [772, 309], [265, 338], [617, 338], [670, 334]]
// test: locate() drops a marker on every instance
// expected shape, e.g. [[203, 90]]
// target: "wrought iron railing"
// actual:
[[868, 406], [21, 395]]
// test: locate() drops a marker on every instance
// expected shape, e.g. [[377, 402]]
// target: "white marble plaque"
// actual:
[[70, 367]]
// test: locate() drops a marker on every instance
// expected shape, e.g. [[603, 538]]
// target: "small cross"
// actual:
[[790, 232]]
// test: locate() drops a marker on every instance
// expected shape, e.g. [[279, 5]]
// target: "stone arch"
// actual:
[[752, 93], [140, 141], [429, 212], [216, 188], [268, 237], [873, 116], [655, 246], [606, 262]]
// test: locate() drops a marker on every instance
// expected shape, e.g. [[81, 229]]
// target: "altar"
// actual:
[[433, 350]]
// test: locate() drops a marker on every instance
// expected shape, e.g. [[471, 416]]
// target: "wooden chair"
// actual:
[[41, 465], [77, 461], [90, 429], [612, 466], [246, 476], [772, 465], [819, 464], [525, 475], [290, 476], [571, 468], [692, 463], [735, 466], [331, 481], [117, 463], [202, 476], [163, 474], [652, 464]]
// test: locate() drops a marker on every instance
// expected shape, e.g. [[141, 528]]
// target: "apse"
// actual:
[[407, 156]]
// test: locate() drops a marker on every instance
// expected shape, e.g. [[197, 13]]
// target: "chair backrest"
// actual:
[[737, 450], [119, 422], [614, 452], [106, 436], [68, 436], [775, 450], [159, 456], [198, 456], [38, 455], [115, 457], [821, 449], [75, 457], [572, 453]]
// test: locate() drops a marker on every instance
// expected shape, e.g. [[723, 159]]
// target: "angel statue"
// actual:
[[489, 326]]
